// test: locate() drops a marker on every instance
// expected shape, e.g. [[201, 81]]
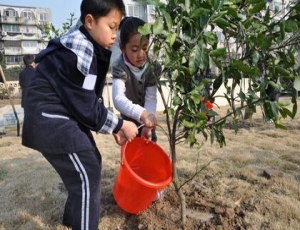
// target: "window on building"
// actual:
[[29, 44], [133, 10], [151, 9], [13, 59], [27, 14], [44, 17], [10, 13], [12, 43], [30, 29], [11, 28]]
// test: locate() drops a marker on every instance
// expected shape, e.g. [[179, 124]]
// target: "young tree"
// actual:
[[49, 31], [258, 44]]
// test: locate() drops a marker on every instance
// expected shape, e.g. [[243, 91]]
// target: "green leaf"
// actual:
[[291, 26], [282, 30], [195, 96], [242, 67], [278, 125], [281, 71], [158, 26], [222, 23], [176, 101], [171, 38], [168, 19], [191, 139], [198, 12], [267, 16], [194, 59], [145, 29], [175, 74], [231, 2], [253, 1], [284, 103], [297, 7], [266, 43], [217, 62], [210, 37], [218, 52], [257, 7], [204, 18], [215, 4], [232, 12], [285, 112], [255, 57], [188, 124], [156, 51], [218, 82]]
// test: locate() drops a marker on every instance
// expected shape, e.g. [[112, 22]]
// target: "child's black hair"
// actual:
[[100, 8], [28, 59], [129, 27]]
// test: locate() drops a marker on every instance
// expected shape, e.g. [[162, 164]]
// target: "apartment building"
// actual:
[[20, 29], [20, 32]]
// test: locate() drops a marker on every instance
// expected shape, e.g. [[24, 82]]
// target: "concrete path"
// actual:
[[7, 116]]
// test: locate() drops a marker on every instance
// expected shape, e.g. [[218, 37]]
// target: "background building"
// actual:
[[135, 9], [20, 33]]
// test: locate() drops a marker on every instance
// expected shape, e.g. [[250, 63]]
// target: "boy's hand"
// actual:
[[119, 138], [127, 132]]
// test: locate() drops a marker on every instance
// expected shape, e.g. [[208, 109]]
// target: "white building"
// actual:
[[20, 33]]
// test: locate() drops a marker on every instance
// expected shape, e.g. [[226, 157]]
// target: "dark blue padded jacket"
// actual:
[[64, 98]]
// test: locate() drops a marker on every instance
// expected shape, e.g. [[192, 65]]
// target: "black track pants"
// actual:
[[81, 174]]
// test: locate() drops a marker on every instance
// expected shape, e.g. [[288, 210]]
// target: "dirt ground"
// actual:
[[251, 183]]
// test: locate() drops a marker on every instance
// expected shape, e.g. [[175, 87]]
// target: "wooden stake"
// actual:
[[11, 101]]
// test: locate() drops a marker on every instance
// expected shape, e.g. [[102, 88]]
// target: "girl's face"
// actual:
[[104, 30], [135, 50]]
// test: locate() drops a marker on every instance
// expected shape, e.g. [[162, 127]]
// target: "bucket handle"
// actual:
[[126, 142]]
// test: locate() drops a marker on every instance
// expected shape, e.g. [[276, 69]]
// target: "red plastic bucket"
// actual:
[[145, 169]]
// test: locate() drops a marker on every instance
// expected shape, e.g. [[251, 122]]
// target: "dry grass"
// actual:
[[32, 197]]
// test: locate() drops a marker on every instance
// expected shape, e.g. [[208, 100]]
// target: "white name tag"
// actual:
[[89, 82]]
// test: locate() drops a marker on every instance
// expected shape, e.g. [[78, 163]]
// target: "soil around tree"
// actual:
[[251, 183]]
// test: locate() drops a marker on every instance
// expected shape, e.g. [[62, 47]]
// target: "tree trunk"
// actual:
[[177, 186]]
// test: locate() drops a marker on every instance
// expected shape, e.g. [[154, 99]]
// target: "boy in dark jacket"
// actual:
[[64, 103], [26, 74]]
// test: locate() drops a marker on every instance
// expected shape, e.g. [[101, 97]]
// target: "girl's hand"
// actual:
[[148, 119], [146, 132]]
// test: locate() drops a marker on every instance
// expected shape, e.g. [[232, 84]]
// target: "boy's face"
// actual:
[[104, 30], [135, 50]]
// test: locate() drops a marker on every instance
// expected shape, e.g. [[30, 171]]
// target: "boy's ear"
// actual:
[[88, 21], [122, 48]]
